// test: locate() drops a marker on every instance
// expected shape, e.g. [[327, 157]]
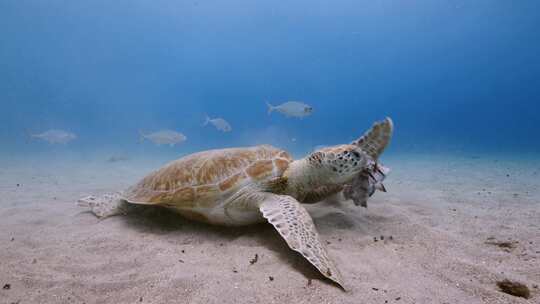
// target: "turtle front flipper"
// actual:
[[296, 227], [376, 139], [104, 206]]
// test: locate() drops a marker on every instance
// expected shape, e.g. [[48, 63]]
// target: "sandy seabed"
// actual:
[[431, 239]]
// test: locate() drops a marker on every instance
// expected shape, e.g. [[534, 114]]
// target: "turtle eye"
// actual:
[[356, 154]]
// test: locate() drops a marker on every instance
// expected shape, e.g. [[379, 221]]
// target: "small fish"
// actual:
[[220, 124], [164, 137], [117, 158], [291, 109], [54, 136]]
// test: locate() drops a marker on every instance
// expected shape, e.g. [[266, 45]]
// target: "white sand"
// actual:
[[436, 211]]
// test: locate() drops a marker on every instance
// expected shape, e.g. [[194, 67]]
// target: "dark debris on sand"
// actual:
[[382, 238], [254, 260], [514, 288], [7, 287], [502, 244]]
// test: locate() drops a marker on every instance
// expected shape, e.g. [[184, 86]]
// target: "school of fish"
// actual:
[[170, 137]]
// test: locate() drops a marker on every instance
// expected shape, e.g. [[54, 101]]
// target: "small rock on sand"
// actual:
[[514, 288]]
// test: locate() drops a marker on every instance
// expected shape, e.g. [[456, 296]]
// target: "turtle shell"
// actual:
[[201, 179]]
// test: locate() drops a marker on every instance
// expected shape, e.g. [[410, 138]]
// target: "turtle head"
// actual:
[[338, 164], [341, 163]]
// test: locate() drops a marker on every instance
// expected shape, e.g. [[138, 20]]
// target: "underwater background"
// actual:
[[458, 77], [459, 222]]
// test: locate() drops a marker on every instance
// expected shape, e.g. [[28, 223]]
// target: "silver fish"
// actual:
[[55, 136], [291, 109], [164, 137], [117, 158], [220, 124]]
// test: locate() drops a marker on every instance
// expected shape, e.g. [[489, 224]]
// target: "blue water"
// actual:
[[456, 76]]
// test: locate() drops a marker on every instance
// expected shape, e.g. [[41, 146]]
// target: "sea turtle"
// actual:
[[241, 186]]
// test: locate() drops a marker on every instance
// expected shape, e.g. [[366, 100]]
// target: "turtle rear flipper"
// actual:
[[107, 205], [296, 227]]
